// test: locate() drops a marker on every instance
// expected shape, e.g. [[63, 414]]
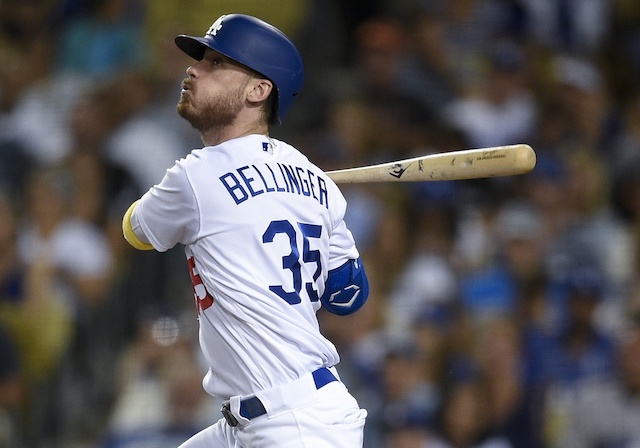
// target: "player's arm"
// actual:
[[131, 230], [346, 288], [165, 215]]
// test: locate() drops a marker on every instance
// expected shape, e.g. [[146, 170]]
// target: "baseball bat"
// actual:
[[453, 165]]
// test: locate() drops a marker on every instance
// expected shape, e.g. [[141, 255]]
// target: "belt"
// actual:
[[252, 407]]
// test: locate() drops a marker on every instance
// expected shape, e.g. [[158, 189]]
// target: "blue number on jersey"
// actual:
[[291, 261]]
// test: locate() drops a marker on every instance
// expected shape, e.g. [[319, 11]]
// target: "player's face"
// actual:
[[214, 93]]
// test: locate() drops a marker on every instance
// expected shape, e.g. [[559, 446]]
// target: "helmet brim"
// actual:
[[193, 46]]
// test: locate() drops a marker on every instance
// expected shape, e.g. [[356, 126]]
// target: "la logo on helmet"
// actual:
[[217, 26]]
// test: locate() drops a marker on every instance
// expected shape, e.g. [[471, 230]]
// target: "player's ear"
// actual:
[[260, 89]]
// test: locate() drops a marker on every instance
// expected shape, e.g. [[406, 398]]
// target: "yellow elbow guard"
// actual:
[[129, 234]]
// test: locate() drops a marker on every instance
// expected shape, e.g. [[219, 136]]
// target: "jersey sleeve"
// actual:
[[168, 213], [342, 246]]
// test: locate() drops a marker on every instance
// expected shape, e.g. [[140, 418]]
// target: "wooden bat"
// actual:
[[454, 165]]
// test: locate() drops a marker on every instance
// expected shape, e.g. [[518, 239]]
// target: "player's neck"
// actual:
[[216, 136]]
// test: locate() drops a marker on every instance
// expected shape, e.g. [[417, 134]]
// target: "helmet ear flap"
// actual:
[[258, 46]]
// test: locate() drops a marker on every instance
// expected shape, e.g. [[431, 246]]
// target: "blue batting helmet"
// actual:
[[257, 45]]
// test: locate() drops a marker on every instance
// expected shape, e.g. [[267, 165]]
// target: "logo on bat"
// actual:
[[398, 169]]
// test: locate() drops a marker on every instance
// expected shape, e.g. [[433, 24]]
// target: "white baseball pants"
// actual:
[[298, 416]]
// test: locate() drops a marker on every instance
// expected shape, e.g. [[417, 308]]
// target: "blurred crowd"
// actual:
[[505, 312]]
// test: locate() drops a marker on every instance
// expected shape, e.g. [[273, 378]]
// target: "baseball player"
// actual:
[[266, 246]]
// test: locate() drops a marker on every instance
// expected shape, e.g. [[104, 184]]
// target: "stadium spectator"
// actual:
[[607, 412]]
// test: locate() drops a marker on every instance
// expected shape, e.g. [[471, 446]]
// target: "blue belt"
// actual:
[[251, 408]]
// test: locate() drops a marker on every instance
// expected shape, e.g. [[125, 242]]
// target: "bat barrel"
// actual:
[[455, 165], [525, 158]]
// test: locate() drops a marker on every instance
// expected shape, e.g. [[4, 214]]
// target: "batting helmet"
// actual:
[[258, 46]]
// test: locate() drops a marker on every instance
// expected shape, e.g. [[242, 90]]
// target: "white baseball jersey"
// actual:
[[262, 226]]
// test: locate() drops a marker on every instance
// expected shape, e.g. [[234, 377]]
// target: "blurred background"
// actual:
[[504, 312]]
